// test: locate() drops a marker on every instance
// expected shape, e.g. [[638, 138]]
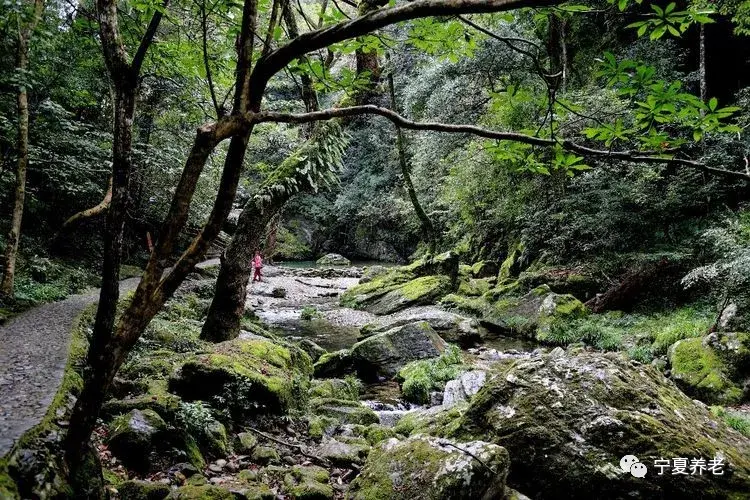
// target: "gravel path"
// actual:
[[33, 355]]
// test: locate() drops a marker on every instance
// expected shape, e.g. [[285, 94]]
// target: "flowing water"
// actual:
[[336, 327]]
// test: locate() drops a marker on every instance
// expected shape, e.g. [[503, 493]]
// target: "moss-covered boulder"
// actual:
[[143, 490], [575, 282], [383, 297], [734, 349], [450, 326], [700, 372], [264, 455], [337, 388], [385, 353], [533, 315], [134, 435], [475, 287], [143, 441], [308, 483], [206, 492], [246, 441], [422, 467], [334, 364], [250, 376], [344, 411], [156, 398], [485, 269], [567, 418], [343, 451]]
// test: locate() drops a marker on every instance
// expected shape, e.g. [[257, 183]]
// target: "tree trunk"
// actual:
[[702, 64], [228, 304], [107, 350], [22, 106], [428, 230]]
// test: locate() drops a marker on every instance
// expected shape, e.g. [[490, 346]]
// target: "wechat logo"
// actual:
[[630, 463]]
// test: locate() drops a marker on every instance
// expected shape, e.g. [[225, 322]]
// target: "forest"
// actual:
[[374, 249]]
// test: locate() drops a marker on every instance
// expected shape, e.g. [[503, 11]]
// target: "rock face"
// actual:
[[333, 259], [386, 353], [252, 375], [422, 467], [567, 420]]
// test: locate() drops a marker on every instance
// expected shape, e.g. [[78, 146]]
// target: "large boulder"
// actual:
[[485, 269], [699, 370], [450, 326], [384, 354], [534, 315], [333, 259], [567, 419], [249, 375], [423, 467], [381, 299], [142, 441]]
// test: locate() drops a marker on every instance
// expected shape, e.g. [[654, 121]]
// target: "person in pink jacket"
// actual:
[[258, 265]]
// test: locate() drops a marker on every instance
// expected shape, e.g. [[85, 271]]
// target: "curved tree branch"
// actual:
[[567, 144]]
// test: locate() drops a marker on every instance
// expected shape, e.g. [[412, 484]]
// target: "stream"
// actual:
[[306, 285]]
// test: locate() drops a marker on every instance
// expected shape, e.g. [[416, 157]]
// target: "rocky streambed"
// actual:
[[360, 383]]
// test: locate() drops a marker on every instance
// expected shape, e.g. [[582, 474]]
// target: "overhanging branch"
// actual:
[[567, 144]]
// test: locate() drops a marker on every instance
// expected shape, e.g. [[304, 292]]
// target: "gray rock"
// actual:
[[464, 387], [341, 453]]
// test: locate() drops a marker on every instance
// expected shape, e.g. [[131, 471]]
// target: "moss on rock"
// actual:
[[393, 297], [308, 483], [346, 388], [206, 492], [567, 418], [699, 371], [143, 490], [344, 411], [252, 376], [385, 353], [427, 467]]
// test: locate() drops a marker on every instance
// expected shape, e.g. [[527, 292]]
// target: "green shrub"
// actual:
[[642, 353], [309, 313], [422, 377], [736, 420]]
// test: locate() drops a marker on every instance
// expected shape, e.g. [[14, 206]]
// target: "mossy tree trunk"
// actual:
[[25, 31]]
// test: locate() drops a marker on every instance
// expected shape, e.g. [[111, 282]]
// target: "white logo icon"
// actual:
[[630, 463]]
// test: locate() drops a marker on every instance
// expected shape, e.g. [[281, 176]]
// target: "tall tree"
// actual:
[[124, 75], [25, 30], [428, 230]]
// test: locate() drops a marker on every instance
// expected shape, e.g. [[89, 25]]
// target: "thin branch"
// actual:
[[271, 26], [204, 29], [567, 144], [148, 37]]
